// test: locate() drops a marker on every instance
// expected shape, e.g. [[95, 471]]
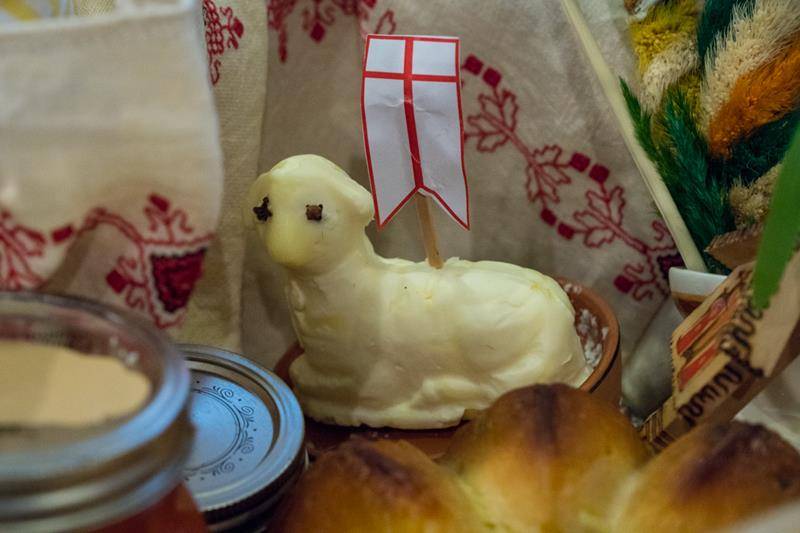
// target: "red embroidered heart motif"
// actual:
[[175, 277]]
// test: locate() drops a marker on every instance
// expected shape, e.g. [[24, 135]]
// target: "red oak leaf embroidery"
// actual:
[[545, 186], [595, 232], [496, 119], [609, 206], [501, 106], [489, 137], [544, 173]]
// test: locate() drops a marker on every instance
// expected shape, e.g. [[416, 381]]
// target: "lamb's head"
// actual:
[[308, 213]]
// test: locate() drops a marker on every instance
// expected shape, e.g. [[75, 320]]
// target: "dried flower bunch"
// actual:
[[717, 103]]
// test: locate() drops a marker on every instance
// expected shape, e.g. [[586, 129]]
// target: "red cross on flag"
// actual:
[[413, 131]]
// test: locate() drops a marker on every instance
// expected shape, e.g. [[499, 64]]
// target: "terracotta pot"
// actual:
[[604, 382]]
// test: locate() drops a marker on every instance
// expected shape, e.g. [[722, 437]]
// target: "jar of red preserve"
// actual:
[[123, 474]]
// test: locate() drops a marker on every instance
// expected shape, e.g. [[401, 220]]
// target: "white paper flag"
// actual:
[[413, 131]]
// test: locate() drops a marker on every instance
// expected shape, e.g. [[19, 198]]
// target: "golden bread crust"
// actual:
[[546, 456], [548, 459], [372, 487], [711, 478]]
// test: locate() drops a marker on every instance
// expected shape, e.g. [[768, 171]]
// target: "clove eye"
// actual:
[[262, 211], [314, 212]]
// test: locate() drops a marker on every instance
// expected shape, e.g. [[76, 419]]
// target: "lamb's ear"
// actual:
[[253, 198], [356, 195], [365, 206]]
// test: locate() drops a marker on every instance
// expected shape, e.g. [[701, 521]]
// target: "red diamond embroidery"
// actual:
[[175, 278]]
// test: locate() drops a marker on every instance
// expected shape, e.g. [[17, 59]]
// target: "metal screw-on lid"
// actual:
[[248, 447]]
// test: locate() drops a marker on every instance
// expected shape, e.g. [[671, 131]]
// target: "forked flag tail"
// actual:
[[413, 129]]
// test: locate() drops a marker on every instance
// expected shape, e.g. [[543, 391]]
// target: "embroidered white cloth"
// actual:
[[110, 163]]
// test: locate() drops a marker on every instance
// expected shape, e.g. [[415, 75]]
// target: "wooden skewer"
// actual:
[[610, 85], [428, 232]]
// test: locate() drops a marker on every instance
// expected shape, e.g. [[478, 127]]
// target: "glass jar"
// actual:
[[122, 475]]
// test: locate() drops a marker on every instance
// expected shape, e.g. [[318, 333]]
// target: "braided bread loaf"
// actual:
[[546, 458]]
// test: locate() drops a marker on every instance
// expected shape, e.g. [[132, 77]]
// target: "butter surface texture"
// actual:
[[390, 342]]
